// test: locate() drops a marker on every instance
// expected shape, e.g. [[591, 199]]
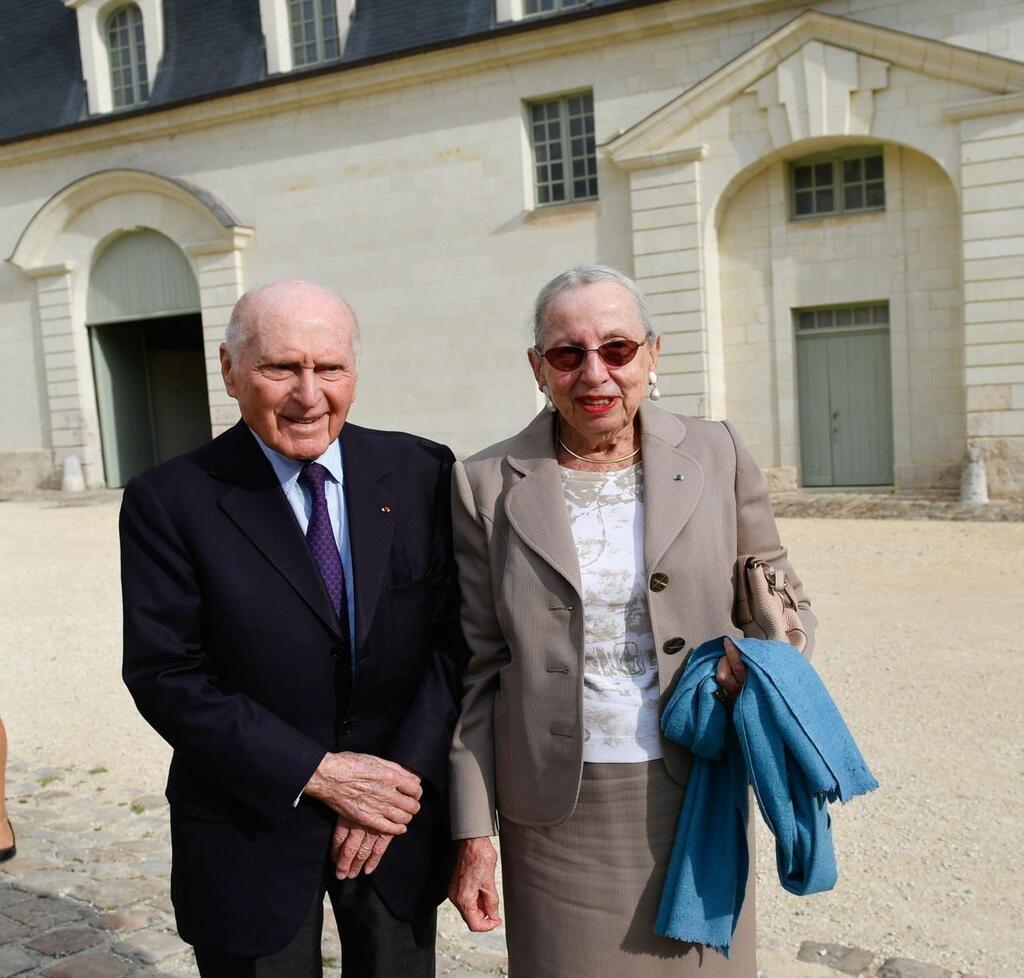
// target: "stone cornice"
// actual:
[[287, 93], [934, 58], [668, 158], [981, 107]]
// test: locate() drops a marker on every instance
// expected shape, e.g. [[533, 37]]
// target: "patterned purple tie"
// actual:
[[322, 543]]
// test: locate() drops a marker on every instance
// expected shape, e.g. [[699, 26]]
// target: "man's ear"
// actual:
[[226, 370]]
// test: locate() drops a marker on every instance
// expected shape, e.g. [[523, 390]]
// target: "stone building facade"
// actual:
[[825, 204]]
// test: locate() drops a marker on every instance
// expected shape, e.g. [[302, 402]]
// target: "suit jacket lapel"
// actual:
[[369, 501], [256, 504], [535, 505], [673, 481]]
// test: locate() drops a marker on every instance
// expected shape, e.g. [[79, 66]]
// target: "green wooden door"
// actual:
[[845, 406], [123, 399], [147, 348]]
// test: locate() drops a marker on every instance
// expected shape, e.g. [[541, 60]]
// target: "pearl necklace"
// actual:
[[595, 461]]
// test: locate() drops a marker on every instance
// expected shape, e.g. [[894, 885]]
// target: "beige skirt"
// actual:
[[581, 898]]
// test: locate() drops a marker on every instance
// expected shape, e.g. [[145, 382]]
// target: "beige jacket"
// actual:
[[518, 747]]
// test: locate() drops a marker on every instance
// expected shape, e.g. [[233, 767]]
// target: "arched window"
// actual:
[[126, 48], [314, 30]]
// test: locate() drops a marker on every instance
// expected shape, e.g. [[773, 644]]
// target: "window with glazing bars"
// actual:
[[314, 30], [126, 49], [857, 315], [844, 183], [531, 7], [564, 149]]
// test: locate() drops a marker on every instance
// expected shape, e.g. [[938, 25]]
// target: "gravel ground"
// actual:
[[918, 641]]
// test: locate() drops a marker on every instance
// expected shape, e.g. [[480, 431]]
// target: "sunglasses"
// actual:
[[615, 353]]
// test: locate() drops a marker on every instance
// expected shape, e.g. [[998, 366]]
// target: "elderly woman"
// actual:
[[596, 548]]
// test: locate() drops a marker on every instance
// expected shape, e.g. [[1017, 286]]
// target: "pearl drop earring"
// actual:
[[654, 394]]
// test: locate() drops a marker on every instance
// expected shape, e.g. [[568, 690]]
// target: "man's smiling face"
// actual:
[[295, 375]]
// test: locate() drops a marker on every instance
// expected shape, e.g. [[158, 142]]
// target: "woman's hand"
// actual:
[[473, 889], [730, 673]]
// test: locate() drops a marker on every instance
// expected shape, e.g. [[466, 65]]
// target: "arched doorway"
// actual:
[[841, 315], [146, 341], [59, 249]]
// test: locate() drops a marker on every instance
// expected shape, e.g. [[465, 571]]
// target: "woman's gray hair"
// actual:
[[579, 276]]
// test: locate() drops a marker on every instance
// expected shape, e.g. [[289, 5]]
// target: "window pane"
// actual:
[[825, 319], [565, 142], [881, 313], [862, 315], [873, 168], [802, 177], [844, 317], [126, 53], [804, 203], [853, 197], [823, 201], [806, 320], [823, 174], [851, 170], [875, 195]]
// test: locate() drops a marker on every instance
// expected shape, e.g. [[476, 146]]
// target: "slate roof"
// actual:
[[212, 48]]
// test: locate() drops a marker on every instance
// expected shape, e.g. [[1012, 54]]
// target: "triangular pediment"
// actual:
[[806, 74]]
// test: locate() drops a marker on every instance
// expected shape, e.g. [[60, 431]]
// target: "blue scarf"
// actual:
[[785, 738]]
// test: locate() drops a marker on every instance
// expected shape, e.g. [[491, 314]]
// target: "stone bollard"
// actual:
[[72, 479], [973, 479]]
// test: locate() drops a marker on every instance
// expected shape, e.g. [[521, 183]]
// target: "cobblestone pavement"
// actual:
[[894, 506], [87, 895]]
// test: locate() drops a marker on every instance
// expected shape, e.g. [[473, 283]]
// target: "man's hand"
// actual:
[[354, 849], [368, 792], [730, 673], [472, 889]]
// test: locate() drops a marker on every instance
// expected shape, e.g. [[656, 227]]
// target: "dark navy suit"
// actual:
[[233, 653]]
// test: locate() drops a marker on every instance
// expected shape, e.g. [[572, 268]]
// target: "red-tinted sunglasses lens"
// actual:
[[616, 353]]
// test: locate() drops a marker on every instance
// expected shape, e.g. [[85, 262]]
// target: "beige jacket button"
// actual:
[[674, 645], [659, 582]]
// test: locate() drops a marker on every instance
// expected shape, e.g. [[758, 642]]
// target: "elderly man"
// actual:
[[291, 629]]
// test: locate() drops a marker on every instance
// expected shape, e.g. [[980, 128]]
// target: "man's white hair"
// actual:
[[246, 314]]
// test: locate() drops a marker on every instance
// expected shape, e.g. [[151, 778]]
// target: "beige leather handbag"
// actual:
[[765, 603]]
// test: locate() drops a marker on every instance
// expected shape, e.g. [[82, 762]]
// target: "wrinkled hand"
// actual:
[[472, 888], [369, 792], [353, 849], [730, 673]]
